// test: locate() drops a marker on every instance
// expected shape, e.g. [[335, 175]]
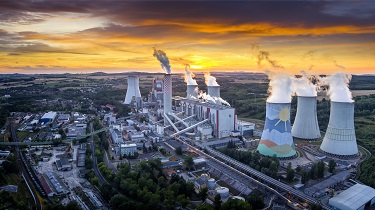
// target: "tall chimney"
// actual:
[[133, 89], [340, 136], [167, 97], [306, 122]]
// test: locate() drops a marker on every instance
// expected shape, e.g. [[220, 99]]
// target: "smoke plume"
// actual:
[[265, 55], [210, 80], [339, 87], [342, 68], [303, 86], [162, 57], [205, 96], [189, 76], [280, 87]]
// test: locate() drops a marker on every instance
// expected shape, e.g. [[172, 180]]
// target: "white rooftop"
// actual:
[[353, 198], [128, 145], [49, 115]]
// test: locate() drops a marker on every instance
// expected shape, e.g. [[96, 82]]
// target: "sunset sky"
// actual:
[[119, 36]]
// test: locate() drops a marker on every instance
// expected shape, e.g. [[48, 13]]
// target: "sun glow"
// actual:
[[283, 115]]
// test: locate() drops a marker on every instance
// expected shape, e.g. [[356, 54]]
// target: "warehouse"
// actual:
[[48, 117], [356, 197]]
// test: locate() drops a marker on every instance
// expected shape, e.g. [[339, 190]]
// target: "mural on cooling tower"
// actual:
[[276, 137]]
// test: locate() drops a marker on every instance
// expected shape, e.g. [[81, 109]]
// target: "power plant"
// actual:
[[133, 89], [340, 139], [277, 137], [305, 125]]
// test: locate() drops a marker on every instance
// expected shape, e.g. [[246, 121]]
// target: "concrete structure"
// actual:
[[340, 139], [306, 122], [211, 184], [48, 117], [133, 89], [128, 149], [277, 137], [245, 128], [167, 97], [192, 91], [222, 118], [355, 198], [213, 91]]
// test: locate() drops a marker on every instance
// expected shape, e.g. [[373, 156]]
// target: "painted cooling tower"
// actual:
[[167, 97], [306, 122], [213, 91], [277, 137], [191, 91], [340, 135], [133, 89]]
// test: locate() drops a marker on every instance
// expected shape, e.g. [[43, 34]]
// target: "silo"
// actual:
[[277, 137], [133, 89], [340, 136], [306, 125]]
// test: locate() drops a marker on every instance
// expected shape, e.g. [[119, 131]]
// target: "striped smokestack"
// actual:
[[167, 98]]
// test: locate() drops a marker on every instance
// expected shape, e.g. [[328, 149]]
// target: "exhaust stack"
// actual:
[[167, 97]]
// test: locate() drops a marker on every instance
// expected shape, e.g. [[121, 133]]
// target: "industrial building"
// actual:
[[128, 149], [306, 125], [116, 136], [340, 139], [133, 92], [245, 128], [356, 197], [277, 137], [48, 117]]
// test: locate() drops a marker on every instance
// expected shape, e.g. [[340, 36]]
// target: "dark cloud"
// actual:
[[44, 48], [281, 13]]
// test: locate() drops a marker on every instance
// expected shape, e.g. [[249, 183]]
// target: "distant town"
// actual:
[[174, 141]]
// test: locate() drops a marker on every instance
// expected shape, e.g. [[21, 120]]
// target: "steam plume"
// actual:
[[265, 55], [339, 87], [189, 76], [162, 57], [205, 96], [210, 80], [280, 87], [303, 86]]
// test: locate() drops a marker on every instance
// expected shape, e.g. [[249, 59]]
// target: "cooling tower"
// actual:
[[213, 91], [306, 122], [191, 91], [133, 89], [277, 137], [340, 137], [167, 97]]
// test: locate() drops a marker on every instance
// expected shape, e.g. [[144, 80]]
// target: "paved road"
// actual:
[[95, 165]]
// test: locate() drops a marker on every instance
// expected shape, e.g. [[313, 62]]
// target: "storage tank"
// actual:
[[277, 137], [211, 184], [340, 136], [204, 177], [306, 125], [223, 192]]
